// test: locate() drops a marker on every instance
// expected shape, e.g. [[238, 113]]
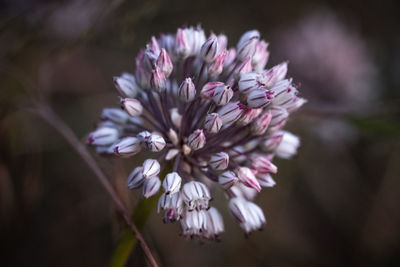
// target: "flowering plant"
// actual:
[[213, 114]]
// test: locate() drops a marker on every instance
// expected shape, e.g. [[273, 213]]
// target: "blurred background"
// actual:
[[335, 204]]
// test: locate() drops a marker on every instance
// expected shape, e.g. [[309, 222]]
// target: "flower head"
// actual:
[[211, 114]]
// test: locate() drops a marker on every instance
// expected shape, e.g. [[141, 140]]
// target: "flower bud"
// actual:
[[284, 92], [143, 136], [266, 180], [214, 223], [272, 142], [209, 50], [260, 98], [261, 56], [245, 67], [250, 81], [176, 117], [228, 179], [288, 146], [103, 136], [295, 104], [172, 183], [231, 112], [208, 89], [132, 106], [262, 164], [275, 74], [151, 186], [230, 57], [135, 178], [164, 63], [279, 115], [182, 48], [151, 168], [197, 139], [155, 143], [158, 81], [219, 161], [249, 215], [222, 95], [196, 195], [260, 125], [127, 147], [246, 46], [115, 115], [247, 177], [187, 91], [216, 67], [249, 115], [126, 85], [213, 123], [222, 41]]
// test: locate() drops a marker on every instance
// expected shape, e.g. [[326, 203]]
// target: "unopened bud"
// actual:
[[115, 115], [250, 81], [260, 98], [127, 147], [228, 179], [197, 139], [182, 47], [103, 136], [247, 177], [266, 180], [246, 46], [213, 123], [187, 91], [209, 50], [151, 186], [275, 74], [222, 95], [219, 161], [260, 125], [126, 85], [262, 164], [132, 106], [261, 56], [172, 183], [216, 67], [155, 143], [231, 112], [208, 89], [278, 115], [164, 63], [151, 168], [135, 178], [158, 81]]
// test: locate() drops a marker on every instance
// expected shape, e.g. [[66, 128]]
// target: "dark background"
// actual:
[[335, 203]]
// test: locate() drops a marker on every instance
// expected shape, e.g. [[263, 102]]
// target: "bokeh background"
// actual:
[[335, 204]]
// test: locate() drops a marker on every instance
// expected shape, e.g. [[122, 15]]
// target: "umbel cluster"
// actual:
[[210, 114]]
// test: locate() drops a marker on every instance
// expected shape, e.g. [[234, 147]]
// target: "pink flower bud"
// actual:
[[247, 177], [197, 139], [249, 115], [245, 67], [213, 123], [275, 74], [222, 95], [132, 106], [260, 125], [216, 67], [158, 81], [261, 56], [208, 89], [272, 142], [187, 91], [164, 63], [262, 164], [182, 48], [260, 98]]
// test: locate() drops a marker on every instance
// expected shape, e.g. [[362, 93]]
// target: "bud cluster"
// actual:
[[210, 114]]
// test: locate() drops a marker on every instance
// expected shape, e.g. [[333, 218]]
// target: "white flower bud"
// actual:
[[151, 168], [171, 154], [231, 112], [284, 92], [132, 106], [115, 115], [214, 223], [196, 195], [187, 91], [143, 136], [197, 139], [266, 180], [176, 117], [219, 161], [246, 46], [213, 123], [151, 186], [164, 63], [247, 177], [222, 95], [249, 215], [155, 143], [135, 178], [158, 81], [260, 98], [288, 146], [126, 85], [208, 89], [250, 81], [228, 179], [172, 183], [209, 50], [127, 147], [182, 46], [103, 136]]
